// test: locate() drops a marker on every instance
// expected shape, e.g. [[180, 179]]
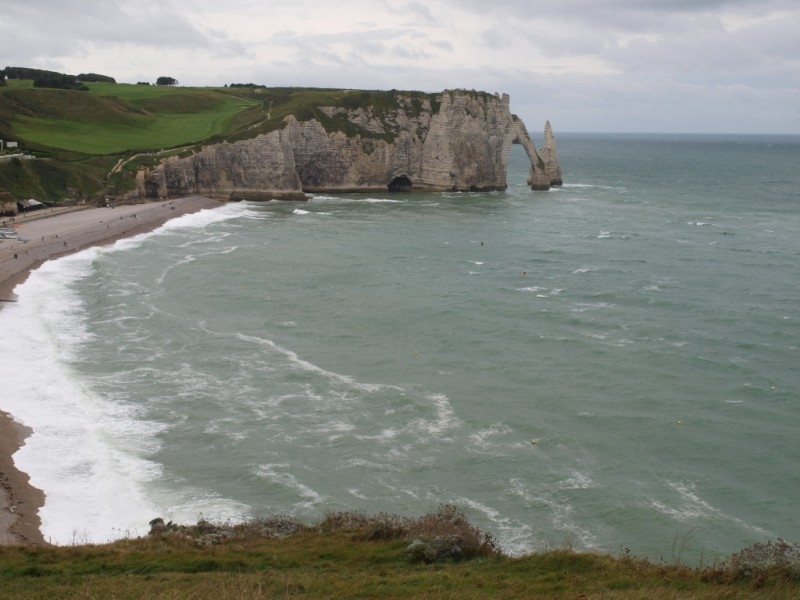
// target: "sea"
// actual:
[[611, 365]]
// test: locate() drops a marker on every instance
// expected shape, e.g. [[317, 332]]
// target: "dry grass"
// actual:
[[354, 555]]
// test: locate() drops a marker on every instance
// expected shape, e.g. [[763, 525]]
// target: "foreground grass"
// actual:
[[359, 558]]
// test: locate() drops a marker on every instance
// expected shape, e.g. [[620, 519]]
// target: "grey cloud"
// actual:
[[614, 16], [442, 45], [100, 25], [496, 38], [422, 11], [674, 64]]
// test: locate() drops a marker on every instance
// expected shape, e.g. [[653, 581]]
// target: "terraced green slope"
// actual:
[[119, 118]]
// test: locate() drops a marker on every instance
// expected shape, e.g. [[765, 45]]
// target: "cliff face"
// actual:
[[455, 141]]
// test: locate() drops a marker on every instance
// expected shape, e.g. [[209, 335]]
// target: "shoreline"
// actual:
[[43, 237]]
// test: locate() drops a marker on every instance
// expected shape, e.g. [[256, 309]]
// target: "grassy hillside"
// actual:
[[113, 118], [81, 135], [78, 137], [348, 555]]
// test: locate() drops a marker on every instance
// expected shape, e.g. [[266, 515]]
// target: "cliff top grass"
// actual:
[[119, 118], [350, 555], [113, 119]]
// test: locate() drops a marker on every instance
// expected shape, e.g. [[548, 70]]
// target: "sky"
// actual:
[[677, 66]]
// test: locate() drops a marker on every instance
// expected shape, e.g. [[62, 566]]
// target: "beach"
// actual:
[[39, 237]]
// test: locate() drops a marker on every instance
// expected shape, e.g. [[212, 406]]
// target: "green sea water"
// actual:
[[612, 364]]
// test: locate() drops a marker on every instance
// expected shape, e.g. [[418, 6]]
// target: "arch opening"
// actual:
[[518, 164]]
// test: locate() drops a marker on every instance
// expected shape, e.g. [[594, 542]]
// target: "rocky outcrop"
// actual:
[[549, 154], [453, 141]]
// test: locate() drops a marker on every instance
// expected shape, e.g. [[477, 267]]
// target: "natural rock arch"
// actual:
[[537, 176]]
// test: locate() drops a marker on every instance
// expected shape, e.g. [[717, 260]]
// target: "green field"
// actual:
[[82, 135], [118, 118], [124, 118]]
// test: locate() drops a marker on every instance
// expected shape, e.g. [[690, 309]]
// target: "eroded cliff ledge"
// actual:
[[453, 141]]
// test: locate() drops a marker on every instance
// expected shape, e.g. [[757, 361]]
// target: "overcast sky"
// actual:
[[587, 65]]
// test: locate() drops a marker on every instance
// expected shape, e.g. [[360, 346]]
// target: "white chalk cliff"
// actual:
[[453, 141]]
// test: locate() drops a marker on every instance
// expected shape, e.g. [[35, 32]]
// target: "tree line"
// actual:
[[52, 79]]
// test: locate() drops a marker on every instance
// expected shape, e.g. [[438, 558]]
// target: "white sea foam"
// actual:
[[514, 536], [485, 440], [87, 453], [278, 473], [310, 367], [561, 511], [188, 504], [444, 420], [371, 464], [690, 506], [385, 435], [190, 258], [197, 220], [336, 426], [592, 186], [79, 453], [577, 481], [540, 291], [581, 307], [356, 494]]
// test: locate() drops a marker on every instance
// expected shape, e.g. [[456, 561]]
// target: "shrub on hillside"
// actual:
[[760, 559], [60, 82], [383, 526], [447, 535], [206, 533]]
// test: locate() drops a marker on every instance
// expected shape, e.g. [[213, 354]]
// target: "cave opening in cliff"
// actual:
[[401, 183]]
